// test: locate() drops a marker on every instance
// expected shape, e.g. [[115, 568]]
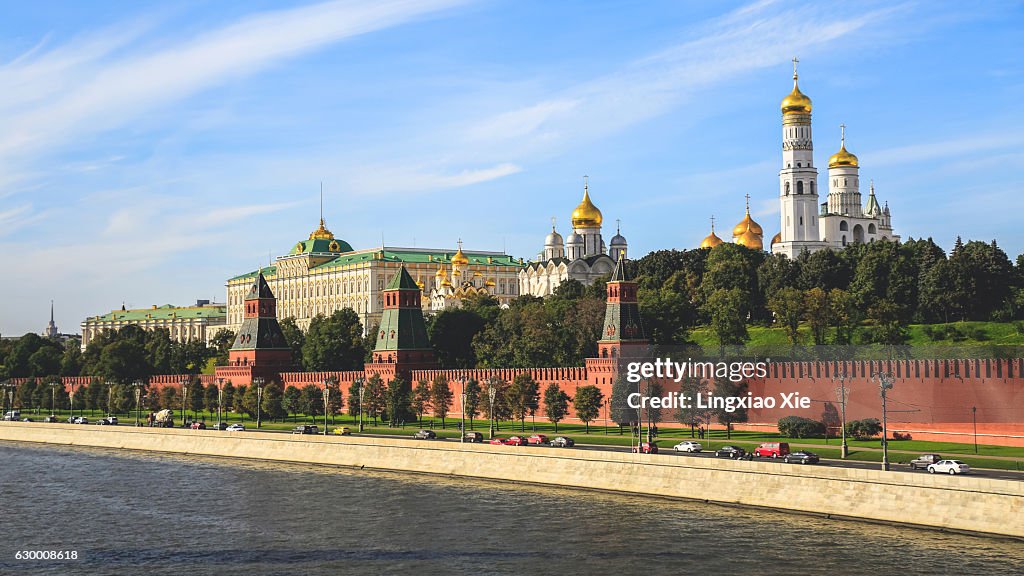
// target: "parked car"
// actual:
[[924, 460], [563, 442], [27, 419], [425, 435], [688, 446], [497, 441], [730, 452], [343, 431], [50, 419], [198, 426], [107, 421], [79, 420], [646, 448], [950, 467], [801, 457], [517, 441], [537, 439], [12, 416], [220, 426], [236, 428], [305, 429], [771, 449], [472, 437]]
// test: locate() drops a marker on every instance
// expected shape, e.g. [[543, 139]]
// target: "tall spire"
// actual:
[[795, 62]]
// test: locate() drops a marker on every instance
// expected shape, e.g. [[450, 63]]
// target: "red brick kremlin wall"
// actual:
[[931, 399]]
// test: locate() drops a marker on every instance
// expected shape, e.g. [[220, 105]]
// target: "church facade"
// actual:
[[583, 256]]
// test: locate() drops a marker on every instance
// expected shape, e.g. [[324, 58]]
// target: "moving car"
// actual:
[[472, 437], [220, 426], [771, 449], [425, 435], [563, 442], [924, 460], [537, 439], [497, 441], [107, 420], [343, 431], [646, 448], [688, 446], [198, 426], [12, 416], [950, 467], [801, 457], [730, 452], [79, 420], [50, 419], [516, 441], [305, 429], [236, 428]]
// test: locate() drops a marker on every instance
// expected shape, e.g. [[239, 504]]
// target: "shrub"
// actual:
[[863, 429], [799, 427]]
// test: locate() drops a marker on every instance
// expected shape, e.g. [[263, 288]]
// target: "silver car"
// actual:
[[688, 446]]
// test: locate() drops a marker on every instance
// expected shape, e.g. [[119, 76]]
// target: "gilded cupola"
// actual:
[[460, 257], [321, 233], [796, 102], [711, 240], [842, 158], [586, 215]]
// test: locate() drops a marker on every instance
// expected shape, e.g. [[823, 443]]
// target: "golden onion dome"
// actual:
[[796, 102], [750, 240], [711, 241], [777, 238], [460, 257], [441, 272], [745, 225], [842, 158], [321, 233], [586, 215]]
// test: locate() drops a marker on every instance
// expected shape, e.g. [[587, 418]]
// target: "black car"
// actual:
[[219, 426], [730, 452], [473, 437], [801, 457], [562, 442], [305, 429], [424, 435]]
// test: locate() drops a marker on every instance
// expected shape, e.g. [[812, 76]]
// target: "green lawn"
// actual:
[[863, 450]]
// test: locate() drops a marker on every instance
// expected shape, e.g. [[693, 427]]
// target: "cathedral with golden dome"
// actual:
[[805, 224], [582, 256]]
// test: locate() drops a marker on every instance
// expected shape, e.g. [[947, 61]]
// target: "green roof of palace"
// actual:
[[402, 281], [404, 255], [164, 312]]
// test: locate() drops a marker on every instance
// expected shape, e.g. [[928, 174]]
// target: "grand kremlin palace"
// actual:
[[322, 274]]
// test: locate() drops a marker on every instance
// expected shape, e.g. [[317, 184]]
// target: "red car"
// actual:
[[537, 439], [198, 426], [771, 449], [496, 440], [647, 448], [516, 441]]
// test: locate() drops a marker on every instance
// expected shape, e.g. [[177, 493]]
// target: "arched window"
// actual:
[[871, 228], [787, 188], [843, 226], [799, 187], [812, 186]]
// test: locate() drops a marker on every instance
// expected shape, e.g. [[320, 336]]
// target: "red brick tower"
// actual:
[[260, 348], [623, 333], [402, 343]]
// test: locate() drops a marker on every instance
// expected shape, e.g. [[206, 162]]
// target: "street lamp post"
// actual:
[[885, 381], [9, 393], [258, 383], [220, 401], [138, 398], [362, 390], [843, 394], [110, 397], [53, 398], [974, 416], [462, 437], [184, 396], [327, 396], [492, 393]]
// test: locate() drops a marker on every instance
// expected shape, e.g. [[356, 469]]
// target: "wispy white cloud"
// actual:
[[392, 179], [945, 149]]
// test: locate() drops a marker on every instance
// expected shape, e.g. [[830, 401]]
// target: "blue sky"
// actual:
[[150, 150]]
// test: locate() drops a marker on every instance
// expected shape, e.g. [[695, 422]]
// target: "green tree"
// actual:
[[725, 388], [473, 399], [312, 401], [295, 338], [221, 343], [587, 403], [818, 314], [211, 399], [622, 414], [334, 342], [691, 414], [374, 397], [788, 307], [522, 397], [272, 396], [353, 398], [500, 409], [728, 310], [398, 402], [196, 396], [123, 361], [46, 361], [292, 401], [71, 362], [440, 397], [451, 334], [844, 314], [421, 399], [556, 404], [228, 395]]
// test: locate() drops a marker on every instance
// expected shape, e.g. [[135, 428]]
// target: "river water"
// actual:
[[141, 513]]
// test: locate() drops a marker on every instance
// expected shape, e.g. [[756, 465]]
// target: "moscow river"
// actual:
[[140, 513]]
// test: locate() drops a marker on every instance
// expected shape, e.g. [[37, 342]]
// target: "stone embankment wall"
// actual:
[[955, 503]]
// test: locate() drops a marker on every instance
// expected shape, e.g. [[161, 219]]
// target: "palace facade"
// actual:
[[184, 323]]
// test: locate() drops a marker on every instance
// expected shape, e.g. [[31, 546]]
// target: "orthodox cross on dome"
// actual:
[[586, 182], [618, 225], [748, 203], [842, 135], [460, 244], [712, 223], [795, 62], [553, 223]]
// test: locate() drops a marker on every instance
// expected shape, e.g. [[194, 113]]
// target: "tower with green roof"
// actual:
[[402, 343], [260, 348], [623, 332]]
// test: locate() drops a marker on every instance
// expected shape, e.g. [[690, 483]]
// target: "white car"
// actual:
[[949, 467], [688, 446], [235, 428], [80, 420]]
